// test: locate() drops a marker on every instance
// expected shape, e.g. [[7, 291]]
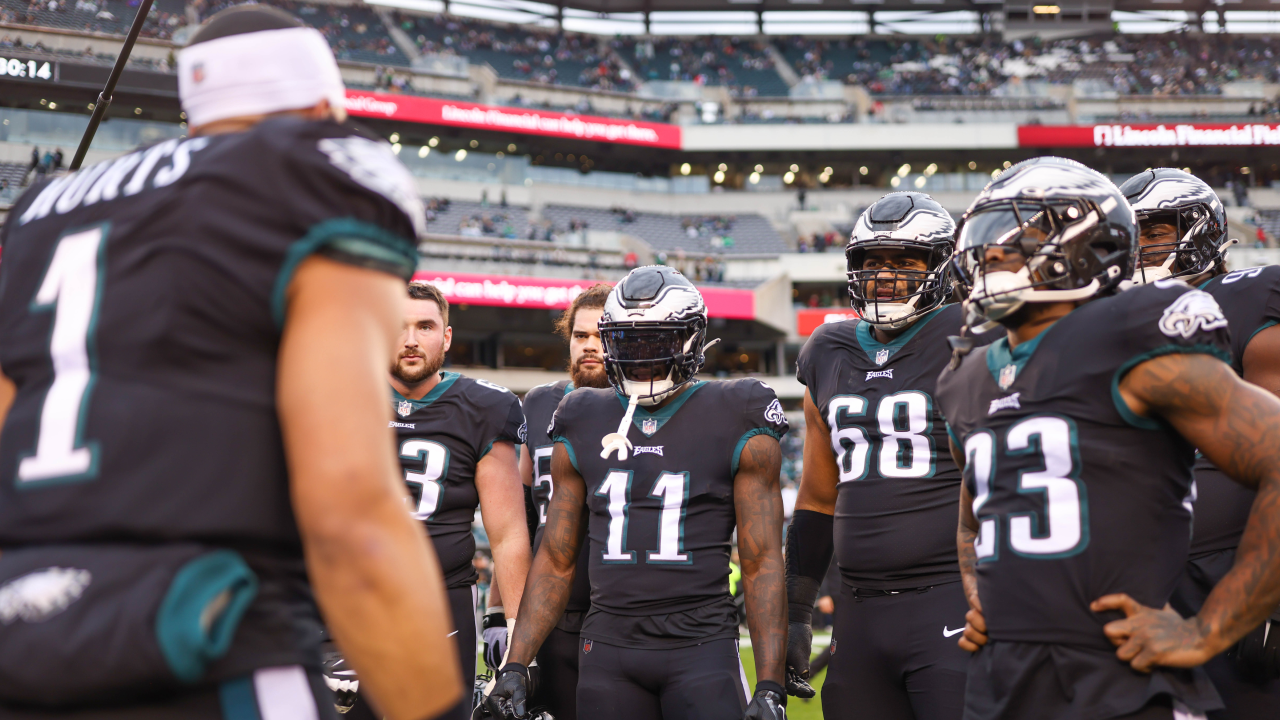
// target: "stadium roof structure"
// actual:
[[1093, 6]]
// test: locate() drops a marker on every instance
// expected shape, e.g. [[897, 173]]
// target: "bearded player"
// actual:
[[1076, 431], [659, 498], [1184, 235], [877, 474], [457, 442], [558, 656], [184, 486]]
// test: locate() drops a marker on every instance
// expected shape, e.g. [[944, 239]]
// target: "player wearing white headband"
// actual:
[[195, 455]]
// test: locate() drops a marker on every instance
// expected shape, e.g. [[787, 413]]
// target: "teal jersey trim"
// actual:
[[742, 444], [238, 699], [999, 356], [568, 388], [568, 446], [663, 414], [447, 379], [1122, 407], [871, 346], [189, 640], [350, 238], [952, 434]]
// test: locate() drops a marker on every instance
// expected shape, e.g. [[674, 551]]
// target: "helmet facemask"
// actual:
[[1191, 252], [914, 292], [652, 360]]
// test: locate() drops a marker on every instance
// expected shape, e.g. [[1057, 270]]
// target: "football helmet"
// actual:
[[1071, 225], [1180, 199], [903, 221], [654, 327]]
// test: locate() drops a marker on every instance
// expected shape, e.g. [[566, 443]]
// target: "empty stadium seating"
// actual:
[[744, 66]]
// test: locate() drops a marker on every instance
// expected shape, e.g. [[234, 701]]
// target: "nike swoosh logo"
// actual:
[[949, 633]]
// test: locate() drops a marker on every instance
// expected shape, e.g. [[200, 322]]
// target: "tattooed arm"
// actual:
[[1235, 424], [7, 391], [975, 625], [758, 502], [546, 592]]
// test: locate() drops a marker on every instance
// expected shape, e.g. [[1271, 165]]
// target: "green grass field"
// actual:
[[797, 709]]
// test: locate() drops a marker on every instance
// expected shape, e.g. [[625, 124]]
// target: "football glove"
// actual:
[[341, 679], [494, 631], [1257, 655], [799, 648], [508, 700], [769, 703]]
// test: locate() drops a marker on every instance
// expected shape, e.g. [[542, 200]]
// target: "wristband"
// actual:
[[515, 667], [773, 687], [493, 617]]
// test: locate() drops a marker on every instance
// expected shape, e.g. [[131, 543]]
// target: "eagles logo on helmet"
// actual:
[[1192, 208], [1071, 225], [904, 221]]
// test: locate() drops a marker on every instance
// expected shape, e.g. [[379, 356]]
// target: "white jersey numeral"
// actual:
[[617, 488], [71, 287], [427, 485], [905, 427], [542, 456], [673, 488]]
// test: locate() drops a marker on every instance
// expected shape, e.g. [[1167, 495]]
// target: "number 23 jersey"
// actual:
[[441, 438], [660, 522], [1076, 496]]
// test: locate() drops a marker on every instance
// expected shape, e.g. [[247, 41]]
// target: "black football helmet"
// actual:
[[1072, 226], [1177, 198], [654, 327], [903, 221]]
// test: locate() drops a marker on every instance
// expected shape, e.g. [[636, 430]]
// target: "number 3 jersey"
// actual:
[[1075, 495], [441, 439], [1250, 300], [895, 518], [661, 521], [539, 406]]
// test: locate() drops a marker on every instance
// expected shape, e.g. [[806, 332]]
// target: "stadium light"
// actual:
[[929, 171], [973, 165], [424, 151], [395, 138], [1007, 164], [433, 142], [920, 181], [460, 155], [795, 168], [685, 169], [755, 177], [395, 148], [719, 176], [1045, 9], [723, 167], [511, 148], [895, 181], [759, 169], [863, 170], [903, 171], [789, 178], [475, 144]]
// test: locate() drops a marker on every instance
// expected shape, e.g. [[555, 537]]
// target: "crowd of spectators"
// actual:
[[742, 65], [355, 32], [135, 61], [717, 229], [820, 242], [699, 269], [95, 16]]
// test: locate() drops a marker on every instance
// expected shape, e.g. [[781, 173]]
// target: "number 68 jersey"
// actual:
[[1076, 496], [660, 522], [441, 438]]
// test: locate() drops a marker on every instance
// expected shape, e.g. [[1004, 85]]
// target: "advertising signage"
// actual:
[[529, 121], [810, 319], [556, 294], [1163, 135]]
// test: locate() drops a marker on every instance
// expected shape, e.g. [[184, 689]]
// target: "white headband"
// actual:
[[257, 73]]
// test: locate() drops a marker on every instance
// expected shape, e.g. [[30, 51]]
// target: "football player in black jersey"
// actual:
[[182, 481], [558, 656], [660, 639], [877, 460], [457, 445], [1076, 432], [1184, 235]]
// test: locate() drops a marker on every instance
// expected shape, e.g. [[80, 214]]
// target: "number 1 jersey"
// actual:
[[661, 521], [441, 438]]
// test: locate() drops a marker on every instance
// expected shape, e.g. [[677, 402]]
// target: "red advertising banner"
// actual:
[[808, 319], [556, 294], [1171, 135], [528, 121]]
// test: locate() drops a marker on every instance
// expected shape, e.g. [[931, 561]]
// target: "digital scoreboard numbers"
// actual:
[[31, 69]]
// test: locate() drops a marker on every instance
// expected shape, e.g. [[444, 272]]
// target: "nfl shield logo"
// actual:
[[404, 408], [1007, 375], [586, 646], [882, 356], [649, 426]]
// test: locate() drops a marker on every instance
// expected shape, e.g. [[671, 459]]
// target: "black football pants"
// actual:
[[1245, 698], [702, 682], [558, 675], [895, 657]]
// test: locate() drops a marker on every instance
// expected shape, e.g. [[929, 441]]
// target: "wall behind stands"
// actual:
[[916, 136]]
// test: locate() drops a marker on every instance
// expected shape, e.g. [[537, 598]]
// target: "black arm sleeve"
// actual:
[[810, 545], [530, 512]]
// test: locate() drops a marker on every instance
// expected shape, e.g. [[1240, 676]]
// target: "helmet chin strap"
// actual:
[[1002, 293], [893, 315], [618, 441]]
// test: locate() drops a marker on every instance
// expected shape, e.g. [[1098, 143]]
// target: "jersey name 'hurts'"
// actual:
[[661, 522], [896, 497], [441, 438]]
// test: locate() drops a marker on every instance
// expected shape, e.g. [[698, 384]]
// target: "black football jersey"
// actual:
[[895, 518], [661, 521], [1075, 495], [540, 404], [441, 439], [1250, 300], [141, 302]]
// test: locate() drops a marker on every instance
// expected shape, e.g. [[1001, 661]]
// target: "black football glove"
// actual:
[[494, 631], [769, 702], [341, 679], [799, 648], [510, 695], [1257, 655]]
